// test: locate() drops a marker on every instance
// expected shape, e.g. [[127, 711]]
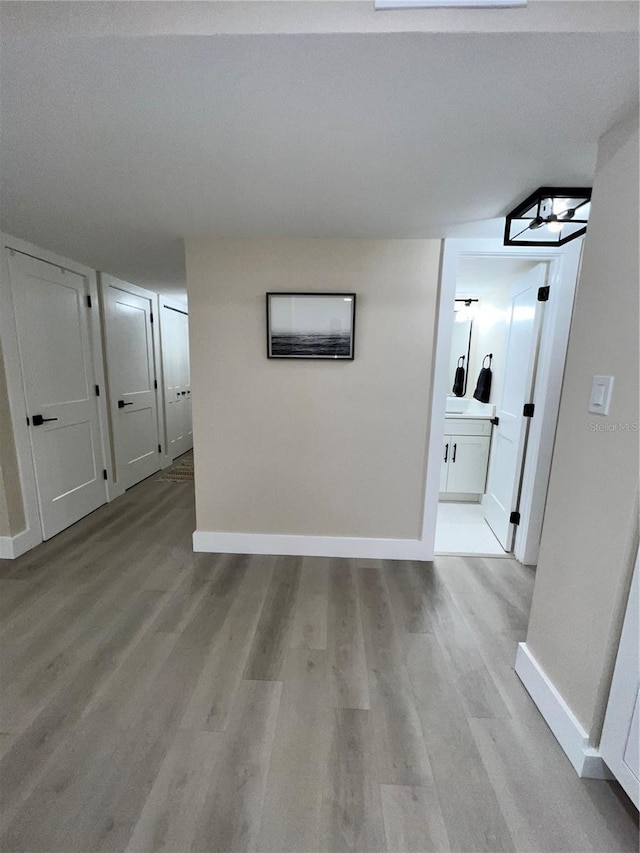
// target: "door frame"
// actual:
[[104, 282], [564, 268], [32, 533]]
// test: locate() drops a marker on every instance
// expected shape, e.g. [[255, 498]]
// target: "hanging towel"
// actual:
[[458, 382], [483, 388]]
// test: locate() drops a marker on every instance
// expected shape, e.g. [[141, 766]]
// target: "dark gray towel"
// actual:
[[483, 388], [458, 382]]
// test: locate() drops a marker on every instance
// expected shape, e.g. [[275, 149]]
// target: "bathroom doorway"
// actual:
[[502, 336], [489, 333]]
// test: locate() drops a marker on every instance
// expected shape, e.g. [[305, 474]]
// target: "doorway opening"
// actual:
[[503, 329], [482, 321]]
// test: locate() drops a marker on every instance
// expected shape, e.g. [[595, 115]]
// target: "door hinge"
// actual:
[[155, 384], [151, 316], [104, 473], [495, 421], [543, 294], [528, 409], [28, 422], [97, 390], [514, 518], [159, 448], [88, 300]]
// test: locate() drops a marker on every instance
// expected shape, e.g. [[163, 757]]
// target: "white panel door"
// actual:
[[52, 324], [131, 370], [177, 380], [509, 436], [621, 730]]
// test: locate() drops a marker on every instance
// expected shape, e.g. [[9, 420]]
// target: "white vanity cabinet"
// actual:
[[465, 456]]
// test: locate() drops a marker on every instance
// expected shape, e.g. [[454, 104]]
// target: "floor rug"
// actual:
[[180, 472]]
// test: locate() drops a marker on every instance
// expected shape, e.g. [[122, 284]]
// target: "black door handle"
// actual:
[[455, 447], [446, 451], [38, 420], [122, 404]]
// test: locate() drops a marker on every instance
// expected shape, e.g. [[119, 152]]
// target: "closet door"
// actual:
[[132, 380], [52, 322], [177, 380]]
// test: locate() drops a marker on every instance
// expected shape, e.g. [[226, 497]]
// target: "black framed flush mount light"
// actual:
[[551, 216]]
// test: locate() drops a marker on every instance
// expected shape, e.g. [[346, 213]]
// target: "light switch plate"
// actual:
[[600, 399]]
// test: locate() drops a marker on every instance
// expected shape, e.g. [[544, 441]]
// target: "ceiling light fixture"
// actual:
[[446, 4], [551, 216]]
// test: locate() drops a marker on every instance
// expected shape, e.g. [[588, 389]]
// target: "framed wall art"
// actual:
[[311, 325]]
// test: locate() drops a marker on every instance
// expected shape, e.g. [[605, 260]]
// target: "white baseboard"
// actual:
[[14, 546], [310, 546], [566, 728]]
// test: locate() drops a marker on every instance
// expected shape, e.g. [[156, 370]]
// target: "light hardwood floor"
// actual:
[[153, 699]]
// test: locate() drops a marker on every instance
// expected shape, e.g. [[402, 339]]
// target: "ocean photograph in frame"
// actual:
[[311, 325]]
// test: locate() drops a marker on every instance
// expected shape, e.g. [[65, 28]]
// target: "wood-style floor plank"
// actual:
[[351, 818], [475, 685], [210, 704], [407, 593], [402, 756], [472, 813], [348, 682], [413, 820], [294, 792], [169, 816], [271, 638], [310, 621], [358, 705], [230, 817]]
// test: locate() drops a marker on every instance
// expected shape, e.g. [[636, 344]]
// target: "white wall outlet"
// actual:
[[600, 399]]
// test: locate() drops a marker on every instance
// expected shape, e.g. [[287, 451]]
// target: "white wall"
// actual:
[[334, 449], [590, 531]]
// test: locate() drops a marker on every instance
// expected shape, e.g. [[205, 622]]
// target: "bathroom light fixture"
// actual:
[[445, 4], [551, 216]]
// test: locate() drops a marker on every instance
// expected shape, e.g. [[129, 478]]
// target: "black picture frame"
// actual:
[[310, 325]]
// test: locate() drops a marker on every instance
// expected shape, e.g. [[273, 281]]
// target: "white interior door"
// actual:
[[54, 342], [177, 380], [621, 730], [509, 436], [131, 371]]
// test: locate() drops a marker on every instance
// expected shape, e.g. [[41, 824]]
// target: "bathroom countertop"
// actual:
[[468, 416]]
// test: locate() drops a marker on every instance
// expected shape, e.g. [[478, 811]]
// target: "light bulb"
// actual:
[[554, 226]]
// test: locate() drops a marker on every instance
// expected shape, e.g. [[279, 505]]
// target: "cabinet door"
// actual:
[[444, 465], [468, 464]]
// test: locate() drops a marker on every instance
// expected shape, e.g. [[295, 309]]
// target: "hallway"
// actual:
[[154, 699]]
